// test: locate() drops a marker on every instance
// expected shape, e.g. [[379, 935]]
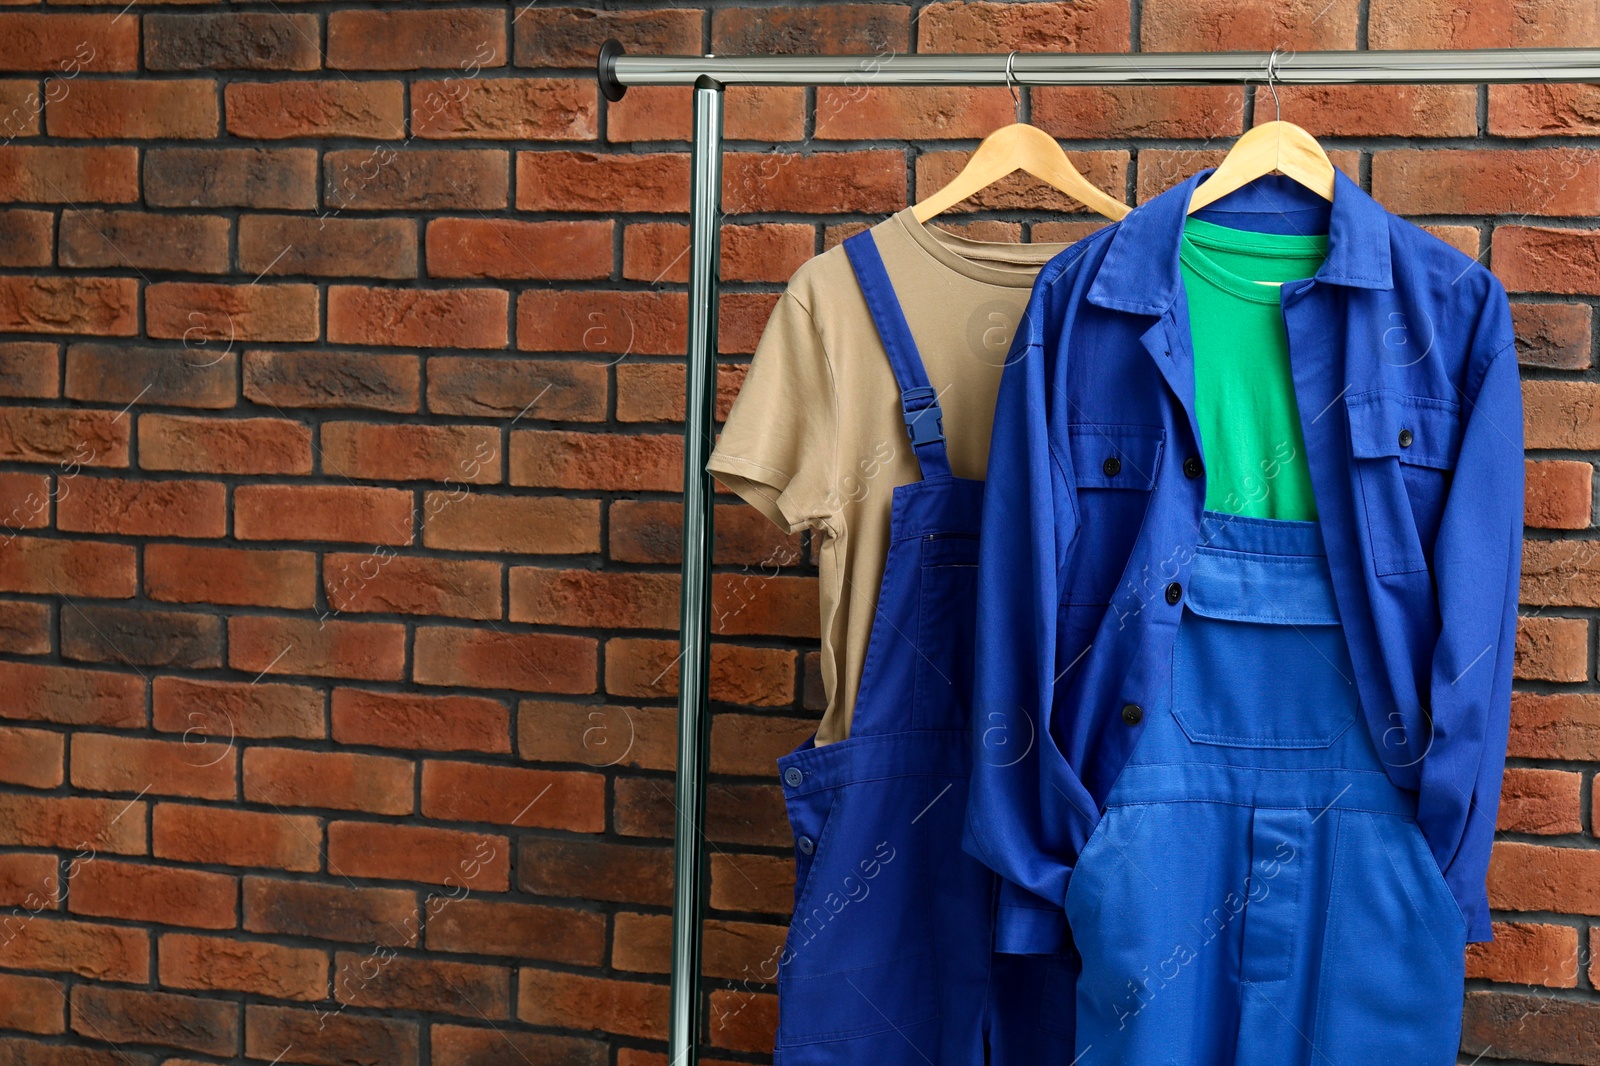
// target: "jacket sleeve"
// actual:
[[1021, 782], [1477, 564]]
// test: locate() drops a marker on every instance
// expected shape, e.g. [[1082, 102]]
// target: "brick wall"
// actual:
[[341, 363]]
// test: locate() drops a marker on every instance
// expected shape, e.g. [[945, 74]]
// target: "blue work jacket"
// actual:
[[1405, 373]]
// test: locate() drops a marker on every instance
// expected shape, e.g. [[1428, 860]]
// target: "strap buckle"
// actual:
[[917, 405]]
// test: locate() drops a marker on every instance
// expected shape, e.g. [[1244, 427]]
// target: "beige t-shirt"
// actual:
[[816, 438]]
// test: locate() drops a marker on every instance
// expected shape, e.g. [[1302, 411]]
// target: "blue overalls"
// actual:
[[889, 955], [1258, 892]]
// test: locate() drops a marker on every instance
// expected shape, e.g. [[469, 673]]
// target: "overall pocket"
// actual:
[[1404, 449], [946, 591]]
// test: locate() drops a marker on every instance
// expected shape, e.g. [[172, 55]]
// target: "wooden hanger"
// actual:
[[1275, 147], [1009, 149]]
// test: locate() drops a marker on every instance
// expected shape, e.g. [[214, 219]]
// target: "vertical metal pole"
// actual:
[[694, 620]]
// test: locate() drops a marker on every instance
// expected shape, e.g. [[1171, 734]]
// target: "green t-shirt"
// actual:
[[1244, 394]]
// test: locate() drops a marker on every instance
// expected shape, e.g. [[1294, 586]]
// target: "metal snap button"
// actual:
[[1112, 466], [807, 845], [1132, 713], [1192, 467], [793, 776], [1174, 592], [1406, 438]]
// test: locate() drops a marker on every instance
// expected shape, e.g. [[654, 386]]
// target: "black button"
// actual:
[[1192, 467], [1174, 592], [1406, 438], [1112, 466], [1132, 713]]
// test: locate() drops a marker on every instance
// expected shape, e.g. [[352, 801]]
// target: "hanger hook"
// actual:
[[1272, 78], [1011, 83]]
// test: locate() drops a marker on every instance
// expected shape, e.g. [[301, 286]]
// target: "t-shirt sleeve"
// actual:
[[779, 446]]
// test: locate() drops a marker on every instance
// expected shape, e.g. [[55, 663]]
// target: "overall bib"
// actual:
[[1258, 892], [889, 957]]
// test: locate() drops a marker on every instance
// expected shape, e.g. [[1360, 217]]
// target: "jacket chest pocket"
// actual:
[[1113, 470], [1404, 450]]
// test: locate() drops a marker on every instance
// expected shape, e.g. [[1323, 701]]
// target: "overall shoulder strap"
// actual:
[[918, 402]]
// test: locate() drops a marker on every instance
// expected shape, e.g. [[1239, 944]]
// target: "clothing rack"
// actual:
[[710, 75]]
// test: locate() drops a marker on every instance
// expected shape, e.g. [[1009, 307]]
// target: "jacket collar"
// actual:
[[1140, 271]]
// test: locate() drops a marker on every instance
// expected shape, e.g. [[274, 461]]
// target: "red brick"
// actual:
[[549, 36], [333, 379], [1533, 259], [577, 1001], [141, 636], [72, 438], [734, 951], [123, 239], [25, 501], [863, 112], [102, 43], [31, 1053], [1249, 25], [546, 596], [198, 312], [53, 175], [25, 236], [478, 862], [1544, 110], [237, 838], [1070, 26], [735, 814], [31, 757], [253, 41], [519, 930], [526, 662], [538, 525], [518, 387], [106, 763], [420, 723], [1531, 181], [103, 306], [743, 1021], [284, 178], [1552, 335], [293, 777], [520, 109], [401, 983], [387, 917], [215, 964], [25, 627], [1122, 111], [381, 179], [614, 323], [651, 531], [597, 735], [164, 108], [1540, 1027], [654, 392], [595, 870], [1496, 24], [390, 584], [659, 251], [371, 651], [124, 375], [143, 508], [759, 677], [324, 1038], [807, 29], [163, 894], [30, 880], [1561, 414], [504, 795], [23, 108], [67, 568], [322, 512], [1527, 953], [1020, 192], [461, 37], [763, 883], [1552, 649], [827, 182], [452, 454], [28, 369], [1541, 801], [136, 1016], [214, 712], [583, 181], [1562, 726], [429, 318], [1375, 110], [666, 113], [71, 697], [1560, 573], [455, 1045], [1559, 494], [1538, 877], [333, 247], [182, 573], [337, 107], [505, 248], [564, 460], [32, 1004], [102, 952]]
